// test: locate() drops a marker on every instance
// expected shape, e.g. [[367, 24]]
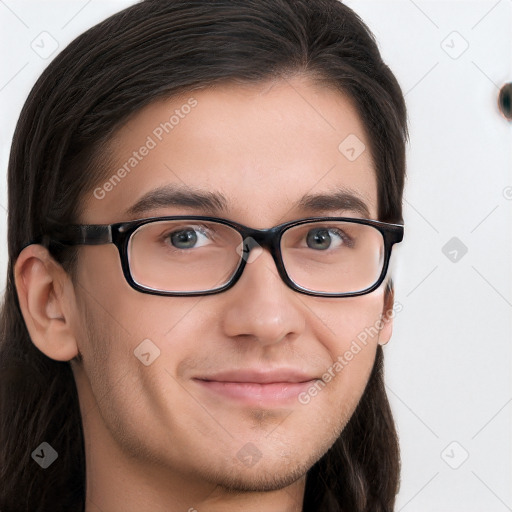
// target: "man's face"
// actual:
[[262, 148]]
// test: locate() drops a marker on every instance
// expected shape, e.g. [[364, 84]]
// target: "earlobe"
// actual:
[[46, 297], [387, 316]]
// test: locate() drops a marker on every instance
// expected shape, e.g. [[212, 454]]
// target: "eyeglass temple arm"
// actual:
[[82, 235]]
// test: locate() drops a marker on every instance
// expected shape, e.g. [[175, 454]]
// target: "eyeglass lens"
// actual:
[[191, 255]]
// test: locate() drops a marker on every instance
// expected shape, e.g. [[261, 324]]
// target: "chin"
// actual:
[[251, 480], [261, 475]]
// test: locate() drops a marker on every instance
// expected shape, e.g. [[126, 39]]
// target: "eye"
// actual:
[[326, 238], [188, 237]]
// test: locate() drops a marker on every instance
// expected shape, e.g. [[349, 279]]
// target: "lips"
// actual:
[[256, 386], [282, 375]]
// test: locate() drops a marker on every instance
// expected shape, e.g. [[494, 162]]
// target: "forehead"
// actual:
[[262, 154]]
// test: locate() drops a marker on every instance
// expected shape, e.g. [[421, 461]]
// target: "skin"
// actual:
[[156, 439]]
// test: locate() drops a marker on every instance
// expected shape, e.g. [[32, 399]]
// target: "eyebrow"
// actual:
[[171, 195], [215, 203], [342, 199]]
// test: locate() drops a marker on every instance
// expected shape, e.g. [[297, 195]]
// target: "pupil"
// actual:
[[188, 238], [320, 239]]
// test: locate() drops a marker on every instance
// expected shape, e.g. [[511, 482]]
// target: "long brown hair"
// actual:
[[152, 50]]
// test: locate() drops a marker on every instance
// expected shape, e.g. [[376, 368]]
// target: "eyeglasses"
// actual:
[[199, 255]]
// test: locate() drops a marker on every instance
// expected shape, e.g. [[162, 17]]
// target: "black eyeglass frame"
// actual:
[[119, 234]]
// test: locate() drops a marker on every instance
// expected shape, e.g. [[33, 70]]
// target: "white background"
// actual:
[[448, 363]]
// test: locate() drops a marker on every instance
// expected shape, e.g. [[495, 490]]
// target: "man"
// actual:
[[219, 365]]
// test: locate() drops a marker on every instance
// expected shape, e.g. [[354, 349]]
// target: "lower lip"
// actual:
[[255, 393]]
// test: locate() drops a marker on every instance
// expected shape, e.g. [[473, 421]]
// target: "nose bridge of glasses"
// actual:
[[256, 240], [265, 238]]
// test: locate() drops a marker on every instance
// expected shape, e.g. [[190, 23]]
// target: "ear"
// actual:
[[46, 298], [387, 315]]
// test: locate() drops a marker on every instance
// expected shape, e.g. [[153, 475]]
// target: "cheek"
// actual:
[[124, 361], [112, 300], [131, 344], [351, 323], [353, 346]]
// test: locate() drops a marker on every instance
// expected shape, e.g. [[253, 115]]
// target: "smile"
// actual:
[[253, 392]]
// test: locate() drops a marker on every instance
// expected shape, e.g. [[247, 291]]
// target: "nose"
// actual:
[[260, 306]]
